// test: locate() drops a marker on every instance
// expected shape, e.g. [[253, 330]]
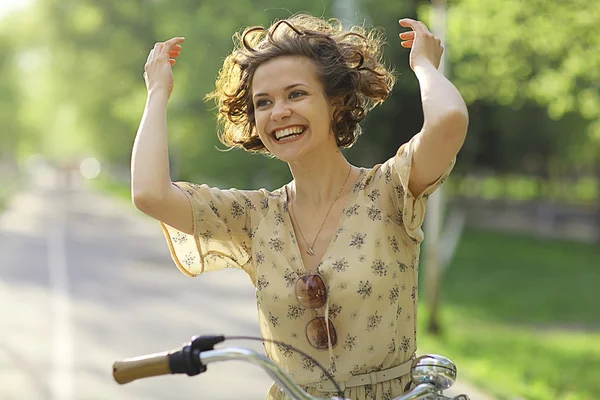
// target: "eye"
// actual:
[[297, 93], [262, 103]]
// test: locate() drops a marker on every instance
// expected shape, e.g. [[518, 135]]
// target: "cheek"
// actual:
[[323, 116], [260, 123], [316, 112]]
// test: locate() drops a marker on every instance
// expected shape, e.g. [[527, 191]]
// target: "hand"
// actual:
[[158, 71], [425, 48]]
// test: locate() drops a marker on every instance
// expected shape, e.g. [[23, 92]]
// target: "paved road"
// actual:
[[86, 280]]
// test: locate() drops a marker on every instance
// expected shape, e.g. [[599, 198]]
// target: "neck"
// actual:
[[319, 183]]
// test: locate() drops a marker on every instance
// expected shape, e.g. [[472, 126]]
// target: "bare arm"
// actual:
[[151, 188], [444, 129], [445, 114]]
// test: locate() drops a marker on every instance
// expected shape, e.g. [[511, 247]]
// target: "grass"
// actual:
[[520, 316]]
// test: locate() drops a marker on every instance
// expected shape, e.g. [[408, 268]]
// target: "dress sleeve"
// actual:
[[222, 231], [410, 209]]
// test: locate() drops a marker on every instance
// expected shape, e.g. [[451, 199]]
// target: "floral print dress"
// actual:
[[370, 270]]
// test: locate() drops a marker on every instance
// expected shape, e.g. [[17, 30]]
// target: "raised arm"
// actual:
[[445, 114], [151, 188]]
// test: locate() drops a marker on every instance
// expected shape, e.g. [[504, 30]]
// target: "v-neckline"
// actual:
[[339, 223]]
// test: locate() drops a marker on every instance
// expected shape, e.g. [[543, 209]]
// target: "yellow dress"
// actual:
[[370, 268]]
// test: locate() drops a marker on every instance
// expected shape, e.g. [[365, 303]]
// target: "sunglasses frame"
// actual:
[[308, 303]]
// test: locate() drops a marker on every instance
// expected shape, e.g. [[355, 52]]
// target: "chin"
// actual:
[[289, 157], [291, 150]]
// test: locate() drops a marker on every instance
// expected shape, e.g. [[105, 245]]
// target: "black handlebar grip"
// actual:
[[130, 369]]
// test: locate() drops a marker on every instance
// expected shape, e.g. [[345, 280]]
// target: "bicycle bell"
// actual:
[[434, 369]]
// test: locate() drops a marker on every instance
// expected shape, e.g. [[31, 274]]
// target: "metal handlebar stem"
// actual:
[[432, 374], [240, 353]]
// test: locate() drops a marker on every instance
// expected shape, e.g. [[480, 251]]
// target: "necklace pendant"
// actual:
[[310, 251]]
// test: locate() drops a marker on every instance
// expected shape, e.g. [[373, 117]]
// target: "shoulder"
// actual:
[[375, 178]]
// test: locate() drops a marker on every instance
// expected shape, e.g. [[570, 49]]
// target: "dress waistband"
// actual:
[[365, 379]]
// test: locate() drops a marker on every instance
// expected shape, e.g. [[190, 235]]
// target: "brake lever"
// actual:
[[188, 360]]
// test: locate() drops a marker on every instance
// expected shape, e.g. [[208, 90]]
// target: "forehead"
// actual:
[[281, 72]]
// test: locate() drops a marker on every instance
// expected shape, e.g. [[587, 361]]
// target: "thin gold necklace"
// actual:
[[310, 248]]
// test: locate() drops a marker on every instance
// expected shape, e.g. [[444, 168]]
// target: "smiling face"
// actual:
[[292, 112]]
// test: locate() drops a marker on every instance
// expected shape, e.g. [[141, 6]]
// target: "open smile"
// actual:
[[288, 133]]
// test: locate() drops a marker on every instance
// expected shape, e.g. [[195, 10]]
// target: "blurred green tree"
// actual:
[[73, 79], [11, 97], [530, 71]]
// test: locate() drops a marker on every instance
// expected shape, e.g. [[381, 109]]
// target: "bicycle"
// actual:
[[431, 373]]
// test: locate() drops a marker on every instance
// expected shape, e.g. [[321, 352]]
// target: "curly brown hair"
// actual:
[[349, 64]]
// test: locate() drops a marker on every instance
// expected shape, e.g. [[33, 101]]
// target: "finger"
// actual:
[[175, 51], [407, 22], [169, 44], [407, 35], [408, 44], [172, 62], [416, 26], [175, 40]]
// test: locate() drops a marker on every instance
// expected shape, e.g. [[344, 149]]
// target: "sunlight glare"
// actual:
[[7, 6], [90, 168]]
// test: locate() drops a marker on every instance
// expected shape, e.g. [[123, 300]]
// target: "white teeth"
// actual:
[[293, 131]]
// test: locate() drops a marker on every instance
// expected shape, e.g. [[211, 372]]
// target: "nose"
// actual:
[[280, 111]]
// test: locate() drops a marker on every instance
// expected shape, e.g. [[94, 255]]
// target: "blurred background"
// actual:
[[511, 262]]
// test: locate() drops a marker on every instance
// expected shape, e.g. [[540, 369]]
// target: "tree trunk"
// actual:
[[598, 201]]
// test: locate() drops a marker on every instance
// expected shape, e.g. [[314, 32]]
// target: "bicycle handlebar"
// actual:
[[141, 367], [431, 373], [166, 363]]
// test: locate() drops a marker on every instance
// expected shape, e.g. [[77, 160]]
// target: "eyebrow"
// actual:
[[285, 89]]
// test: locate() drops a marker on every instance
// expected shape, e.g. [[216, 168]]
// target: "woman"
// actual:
[[334, 253]]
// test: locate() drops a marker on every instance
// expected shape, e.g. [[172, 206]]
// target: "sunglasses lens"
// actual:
[[311, 291], [316, 333]]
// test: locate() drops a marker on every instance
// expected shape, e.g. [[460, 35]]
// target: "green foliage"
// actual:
[[10, 95], [514, 51], [527, 54], [532, 85], [71, 82]]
